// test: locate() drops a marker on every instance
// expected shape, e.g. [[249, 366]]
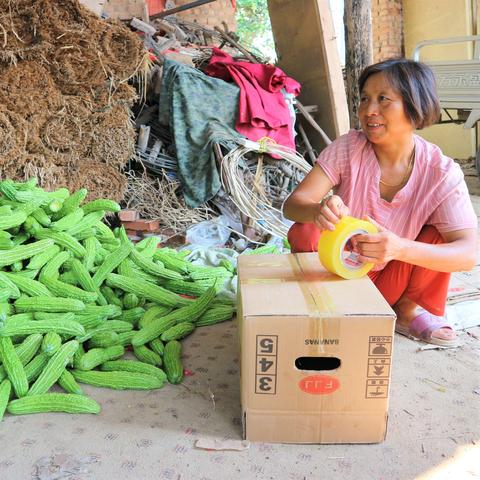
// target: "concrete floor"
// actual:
[[433, 429]]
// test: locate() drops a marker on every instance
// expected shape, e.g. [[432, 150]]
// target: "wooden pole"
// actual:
[[358, 50], [312, 122], [308, 145], [249, 56]]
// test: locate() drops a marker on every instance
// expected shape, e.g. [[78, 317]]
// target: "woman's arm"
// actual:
[[304, 203], [458, 253]]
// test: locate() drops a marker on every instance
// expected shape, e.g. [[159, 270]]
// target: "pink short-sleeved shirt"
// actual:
[[435, 194]]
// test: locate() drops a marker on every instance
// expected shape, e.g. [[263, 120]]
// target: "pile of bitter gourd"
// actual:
[[74, 295]]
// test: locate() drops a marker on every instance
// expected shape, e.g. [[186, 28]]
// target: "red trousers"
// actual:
[[425, 287]]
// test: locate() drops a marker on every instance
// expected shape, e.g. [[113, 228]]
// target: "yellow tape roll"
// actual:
[[331, 248]]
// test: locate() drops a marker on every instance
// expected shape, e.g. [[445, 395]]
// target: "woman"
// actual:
[[414, 194]]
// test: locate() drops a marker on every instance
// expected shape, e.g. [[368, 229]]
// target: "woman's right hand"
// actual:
[[329, 212]]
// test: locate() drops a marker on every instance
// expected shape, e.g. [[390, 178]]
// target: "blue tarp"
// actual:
[[199, 110]]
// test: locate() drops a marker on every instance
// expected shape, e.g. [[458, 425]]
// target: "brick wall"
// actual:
[[387, 29], [155, 6], [210, 14]]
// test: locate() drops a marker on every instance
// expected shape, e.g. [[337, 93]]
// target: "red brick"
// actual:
[[128, 215], [209, 14], [142, 225]]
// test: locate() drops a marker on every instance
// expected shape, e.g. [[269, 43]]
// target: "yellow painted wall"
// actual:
[[476, 7], [429, 19]]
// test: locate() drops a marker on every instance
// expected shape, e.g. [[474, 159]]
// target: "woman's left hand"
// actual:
[[378, 247]]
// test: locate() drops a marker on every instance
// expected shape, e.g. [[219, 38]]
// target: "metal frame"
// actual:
[[458, 81]]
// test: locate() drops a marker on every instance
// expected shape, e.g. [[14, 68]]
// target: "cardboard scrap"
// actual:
[[66, 466], [215, 444], [464, 285], [464, 314], [463, 300]]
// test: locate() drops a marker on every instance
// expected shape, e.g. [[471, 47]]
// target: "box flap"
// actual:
[[303, 287]]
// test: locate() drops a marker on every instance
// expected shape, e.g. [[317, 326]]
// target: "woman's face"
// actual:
[[381, 112]]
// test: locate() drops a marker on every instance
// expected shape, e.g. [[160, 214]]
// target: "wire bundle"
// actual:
[[249, 190]]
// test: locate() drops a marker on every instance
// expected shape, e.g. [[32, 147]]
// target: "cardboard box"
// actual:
[[316, 352]]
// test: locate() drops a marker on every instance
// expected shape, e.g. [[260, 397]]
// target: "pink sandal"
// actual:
[[422, 327]]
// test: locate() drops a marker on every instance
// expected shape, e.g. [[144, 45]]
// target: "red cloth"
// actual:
[[425, 287], [262, 111]]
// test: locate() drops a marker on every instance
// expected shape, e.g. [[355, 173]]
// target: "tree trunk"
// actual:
[[358, 50]]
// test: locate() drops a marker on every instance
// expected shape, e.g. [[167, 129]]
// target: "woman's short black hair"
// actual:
[[415, 83]]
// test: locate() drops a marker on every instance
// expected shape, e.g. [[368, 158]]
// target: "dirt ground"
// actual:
[[433, 429]]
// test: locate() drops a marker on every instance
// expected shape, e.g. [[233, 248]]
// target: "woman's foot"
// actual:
[[407, 311]]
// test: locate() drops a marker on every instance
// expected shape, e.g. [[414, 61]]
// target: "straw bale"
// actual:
[[26, 166], [28, 88], [122, 94], [76, 66], [23, 37], [64, 98], [10, 136], [120, 51], [114, 134], [103, 179], [62, 132]]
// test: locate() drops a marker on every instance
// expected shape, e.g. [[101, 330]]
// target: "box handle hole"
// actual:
[[317, 363]]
